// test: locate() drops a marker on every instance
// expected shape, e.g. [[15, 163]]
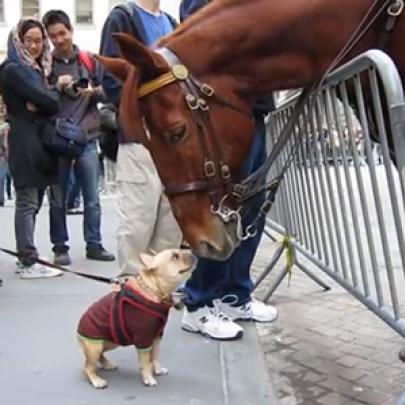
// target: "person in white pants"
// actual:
[[146, 221], [145, 217]]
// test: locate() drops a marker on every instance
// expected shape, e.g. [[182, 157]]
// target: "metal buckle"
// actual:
[[209, 168], [203, 104], [207, 90], [265, 208], [239, 190], [192, 102], [396, 12], [225, 172]]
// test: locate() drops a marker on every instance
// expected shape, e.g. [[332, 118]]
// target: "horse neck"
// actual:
[[283, 43]]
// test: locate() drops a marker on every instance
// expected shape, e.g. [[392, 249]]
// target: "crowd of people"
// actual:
[[38, 85]]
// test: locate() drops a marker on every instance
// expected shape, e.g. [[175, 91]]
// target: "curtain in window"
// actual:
[[84, 11], [30, 8]]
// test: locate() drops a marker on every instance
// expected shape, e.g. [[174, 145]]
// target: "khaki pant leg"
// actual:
[[167, 234], [138, 195]]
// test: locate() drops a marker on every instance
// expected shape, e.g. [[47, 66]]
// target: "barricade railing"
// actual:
[[338, 209]]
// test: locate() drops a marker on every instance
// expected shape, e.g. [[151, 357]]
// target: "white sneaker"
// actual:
[[211, 322], [251, 311], [38, 271], [18, 267]]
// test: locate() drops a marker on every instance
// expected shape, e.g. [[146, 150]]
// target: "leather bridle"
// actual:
[[217, 180]]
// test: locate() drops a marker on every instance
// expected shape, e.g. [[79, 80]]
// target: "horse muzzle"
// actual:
[[219, 246]]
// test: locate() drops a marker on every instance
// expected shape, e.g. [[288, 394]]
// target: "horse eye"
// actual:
[[176, 256], [177, 135]]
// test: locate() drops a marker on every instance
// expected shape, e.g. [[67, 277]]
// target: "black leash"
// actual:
[[101, 279]]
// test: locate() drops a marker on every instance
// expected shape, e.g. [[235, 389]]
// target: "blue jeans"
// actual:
[[3, 178], [214, 279], [87, 169], [27, 204], [73, 189]]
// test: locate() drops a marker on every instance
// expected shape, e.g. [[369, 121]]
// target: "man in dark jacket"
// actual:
[[80, 105], [145, 217], [227, 285]]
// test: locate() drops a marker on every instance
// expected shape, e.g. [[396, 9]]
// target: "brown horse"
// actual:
[[240, 48]]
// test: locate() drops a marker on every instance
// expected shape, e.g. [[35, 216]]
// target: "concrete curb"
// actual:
[[245, 379]]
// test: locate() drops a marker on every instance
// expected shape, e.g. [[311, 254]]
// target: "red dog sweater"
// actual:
[[124, 318]]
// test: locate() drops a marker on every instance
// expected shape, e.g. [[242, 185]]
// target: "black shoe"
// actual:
[[99, 253], [62, 259]]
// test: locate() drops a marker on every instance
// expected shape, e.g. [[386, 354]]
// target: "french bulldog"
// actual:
[[134, 313]]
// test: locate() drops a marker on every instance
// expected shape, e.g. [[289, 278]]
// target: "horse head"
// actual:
[[198, 140]]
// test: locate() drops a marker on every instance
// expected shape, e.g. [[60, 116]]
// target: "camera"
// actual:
[[80, 84]]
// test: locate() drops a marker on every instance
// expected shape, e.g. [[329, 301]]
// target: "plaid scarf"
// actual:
[[40, 69]]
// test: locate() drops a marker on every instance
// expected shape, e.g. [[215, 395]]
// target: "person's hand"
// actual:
[[64, 81], [31, 107]]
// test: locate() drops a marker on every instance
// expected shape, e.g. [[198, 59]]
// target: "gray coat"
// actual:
[[30, 164]]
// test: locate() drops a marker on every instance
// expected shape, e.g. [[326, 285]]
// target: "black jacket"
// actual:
[[30, 164], [81, 110]]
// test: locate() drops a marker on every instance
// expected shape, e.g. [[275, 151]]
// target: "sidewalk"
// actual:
[[326, 348], [40, 361]]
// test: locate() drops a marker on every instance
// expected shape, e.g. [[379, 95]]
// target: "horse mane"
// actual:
[[203, 14]]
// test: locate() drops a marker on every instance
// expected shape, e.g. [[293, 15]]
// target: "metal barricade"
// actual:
[[338, 208]]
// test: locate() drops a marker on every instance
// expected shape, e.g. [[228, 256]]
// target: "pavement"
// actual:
[[326, 348], [40, 361]]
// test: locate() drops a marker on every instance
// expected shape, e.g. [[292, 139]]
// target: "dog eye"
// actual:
[[176, 256]]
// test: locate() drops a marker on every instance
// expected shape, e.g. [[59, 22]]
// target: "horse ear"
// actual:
[[129, 113], [149, 63], [117, 67]]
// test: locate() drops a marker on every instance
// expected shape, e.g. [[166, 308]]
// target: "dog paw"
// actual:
[[149, 381], [159, 370], [109, 366], [99, 383]]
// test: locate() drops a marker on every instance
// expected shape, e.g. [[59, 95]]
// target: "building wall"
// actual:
[[86, 36]]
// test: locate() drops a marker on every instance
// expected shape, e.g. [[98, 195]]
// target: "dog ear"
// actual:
[[147, 260]]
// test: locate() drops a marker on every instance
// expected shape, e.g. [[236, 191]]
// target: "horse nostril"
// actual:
[[208, 248]]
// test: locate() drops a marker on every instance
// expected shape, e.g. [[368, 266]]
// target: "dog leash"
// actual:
[[101, 279]]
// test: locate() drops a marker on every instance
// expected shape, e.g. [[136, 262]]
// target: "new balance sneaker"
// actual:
[[252, 311], [38, 271], [211, 322]]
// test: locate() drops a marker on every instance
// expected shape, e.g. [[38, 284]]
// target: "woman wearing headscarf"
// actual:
[[29, 101]]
